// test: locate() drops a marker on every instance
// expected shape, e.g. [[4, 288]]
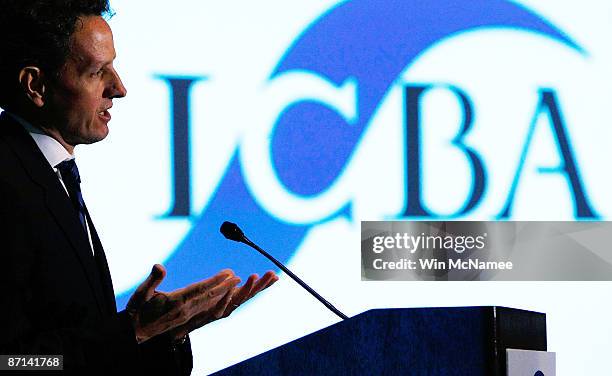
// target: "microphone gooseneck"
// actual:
[[232, 232]]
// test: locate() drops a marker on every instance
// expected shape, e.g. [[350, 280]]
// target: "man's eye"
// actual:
[[98, 73]]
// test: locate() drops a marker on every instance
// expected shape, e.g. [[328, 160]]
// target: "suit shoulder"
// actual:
[[9, 163]]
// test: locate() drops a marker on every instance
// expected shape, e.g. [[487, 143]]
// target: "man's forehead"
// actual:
[[92, 41]]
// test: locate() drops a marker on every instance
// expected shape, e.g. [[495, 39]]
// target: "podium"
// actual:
[[414, 341]]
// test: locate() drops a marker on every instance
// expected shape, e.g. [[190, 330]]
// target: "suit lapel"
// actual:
[[56, 199], [105, 277]]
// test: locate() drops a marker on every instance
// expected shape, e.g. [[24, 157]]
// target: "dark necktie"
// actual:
[[72, 180]]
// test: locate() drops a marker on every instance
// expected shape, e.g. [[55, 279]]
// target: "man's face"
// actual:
[[79, 100]]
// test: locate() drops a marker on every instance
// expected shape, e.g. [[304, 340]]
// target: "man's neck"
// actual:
[[54, 133], [34, 123]]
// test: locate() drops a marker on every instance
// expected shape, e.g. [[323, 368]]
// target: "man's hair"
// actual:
[[38, 33]]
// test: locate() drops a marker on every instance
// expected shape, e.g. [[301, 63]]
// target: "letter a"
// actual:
[[568, 166]]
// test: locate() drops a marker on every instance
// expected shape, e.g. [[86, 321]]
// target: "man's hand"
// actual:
[[155, 312], [227, 305], [184, 310]]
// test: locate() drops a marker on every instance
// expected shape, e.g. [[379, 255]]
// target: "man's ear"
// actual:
[[32, 82]]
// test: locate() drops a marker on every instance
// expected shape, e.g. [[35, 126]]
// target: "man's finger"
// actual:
[[242, 293], [147, 288], [251, 288], [263, 283], [223, 308], [201, 287], [213, 295], [224, 287]]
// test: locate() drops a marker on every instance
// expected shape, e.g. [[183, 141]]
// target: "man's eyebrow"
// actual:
[[101, 63]]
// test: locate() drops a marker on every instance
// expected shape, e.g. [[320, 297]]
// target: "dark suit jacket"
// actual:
[[56, 298]]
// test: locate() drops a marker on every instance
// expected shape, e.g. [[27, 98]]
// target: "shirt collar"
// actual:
[[53, 151]]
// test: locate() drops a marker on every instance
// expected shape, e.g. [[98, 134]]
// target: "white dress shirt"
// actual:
[[54, 153]]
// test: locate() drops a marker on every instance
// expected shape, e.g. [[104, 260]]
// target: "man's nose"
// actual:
[[115, 88]]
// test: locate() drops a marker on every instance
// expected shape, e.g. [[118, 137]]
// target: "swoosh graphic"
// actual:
[[372, 41]]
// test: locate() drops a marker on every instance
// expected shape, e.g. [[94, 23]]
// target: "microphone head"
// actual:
[[232, 232]]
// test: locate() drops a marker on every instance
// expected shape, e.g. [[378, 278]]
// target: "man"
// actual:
[[57, 85]]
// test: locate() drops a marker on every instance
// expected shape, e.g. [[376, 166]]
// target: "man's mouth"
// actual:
[[105, 115]]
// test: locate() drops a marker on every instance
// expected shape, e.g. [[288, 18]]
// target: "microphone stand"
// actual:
[[233, 232], [248, 242]]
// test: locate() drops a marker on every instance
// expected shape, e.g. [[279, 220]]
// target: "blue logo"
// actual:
[[368, 42]]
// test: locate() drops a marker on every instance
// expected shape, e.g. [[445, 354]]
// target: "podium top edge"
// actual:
[[493, 309]]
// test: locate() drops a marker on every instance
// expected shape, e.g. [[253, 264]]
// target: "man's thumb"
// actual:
[[147, 288]]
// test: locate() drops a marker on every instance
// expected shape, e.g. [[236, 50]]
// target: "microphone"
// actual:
[[232, 232]]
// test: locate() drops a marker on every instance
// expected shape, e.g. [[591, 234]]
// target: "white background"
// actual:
[[237, 44]]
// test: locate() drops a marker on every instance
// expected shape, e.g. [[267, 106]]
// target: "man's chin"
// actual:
[[93, 137], [93, 140]]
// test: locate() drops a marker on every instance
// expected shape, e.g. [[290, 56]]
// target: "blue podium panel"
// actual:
[[415, 341]]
